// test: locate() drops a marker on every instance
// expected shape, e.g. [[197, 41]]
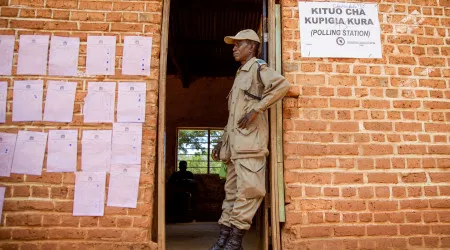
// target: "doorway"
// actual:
[[200, 73]]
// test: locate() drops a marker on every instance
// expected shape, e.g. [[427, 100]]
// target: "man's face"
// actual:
[[241, 50]]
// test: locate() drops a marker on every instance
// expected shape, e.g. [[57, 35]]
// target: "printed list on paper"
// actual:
[[89, 198], [7, 146], [29, 153], [62, 151]]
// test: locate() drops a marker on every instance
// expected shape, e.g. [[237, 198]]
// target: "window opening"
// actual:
[[195, 146]]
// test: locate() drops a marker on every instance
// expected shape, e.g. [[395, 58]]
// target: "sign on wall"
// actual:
[[333, 29]]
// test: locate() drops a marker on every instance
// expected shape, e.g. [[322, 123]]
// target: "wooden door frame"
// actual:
[[161, 146]]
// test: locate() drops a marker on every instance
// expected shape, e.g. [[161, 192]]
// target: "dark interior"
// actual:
[[197, 29], [200, 73]]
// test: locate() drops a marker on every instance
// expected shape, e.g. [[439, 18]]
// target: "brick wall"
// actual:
[[38, 209], [366, 140]]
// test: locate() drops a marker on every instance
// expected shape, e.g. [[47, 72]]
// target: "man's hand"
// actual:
[[247, 119], [216, 151]]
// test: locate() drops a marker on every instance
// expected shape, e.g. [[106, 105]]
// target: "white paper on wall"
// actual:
[[59, 101], [137, 54], [33, 54], [127, 143], [3, 98], [29, 153], [62, 151], [27, 100], [131, 102], [7, 146], [339, 29], [89, 194], [6, 54], [63, 59], [96, 150], [124, 186], [101, 55], [99, 102], [2, 200]]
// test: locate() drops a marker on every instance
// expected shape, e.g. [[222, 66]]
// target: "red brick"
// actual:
[[310, 125], [312, 178], [332, 217], [66, 4], [414, 177], [377, 149], [350, 218], [28, 24], [131, 6], [412, 229], [91, 5], [430, 217], [307, 205], [338, 149], [348, 192], [9, 12], [349, 231], [381, 230], [382, 192], [356, 205], [23, 220], [440, 203], [430, 191], [378, 126], [62, 233], [383, 205], [382, 178], [340, 178], [21, 191], [365, 217], [127, 27], [29, 234], [431, 241], [444, 216], [52, 178], [414, 191], [41, 192], [439, 177], [312, 191], [444, 190], [104, 234], [315, 217], [412, 149], [413, 204], [413, 217], [402, 60], [304, 79], [319, 231], [94, 26], [331, 191], [344, 103], [344, 127]]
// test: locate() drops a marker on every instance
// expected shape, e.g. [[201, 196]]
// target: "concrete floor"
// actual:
[[200, 235]]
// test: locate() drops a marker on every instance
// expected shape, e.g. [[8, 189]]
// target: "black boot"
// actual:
[[235, 240], [223, 237]]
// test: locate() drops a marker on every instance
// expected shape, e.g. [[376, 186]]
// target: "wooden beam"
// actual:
[[162, 127], [275, 222], [281, 208]]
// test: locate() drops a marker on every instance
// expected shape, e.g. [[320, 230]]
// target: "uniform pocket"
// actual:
[[252, 175], [247, 140]]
